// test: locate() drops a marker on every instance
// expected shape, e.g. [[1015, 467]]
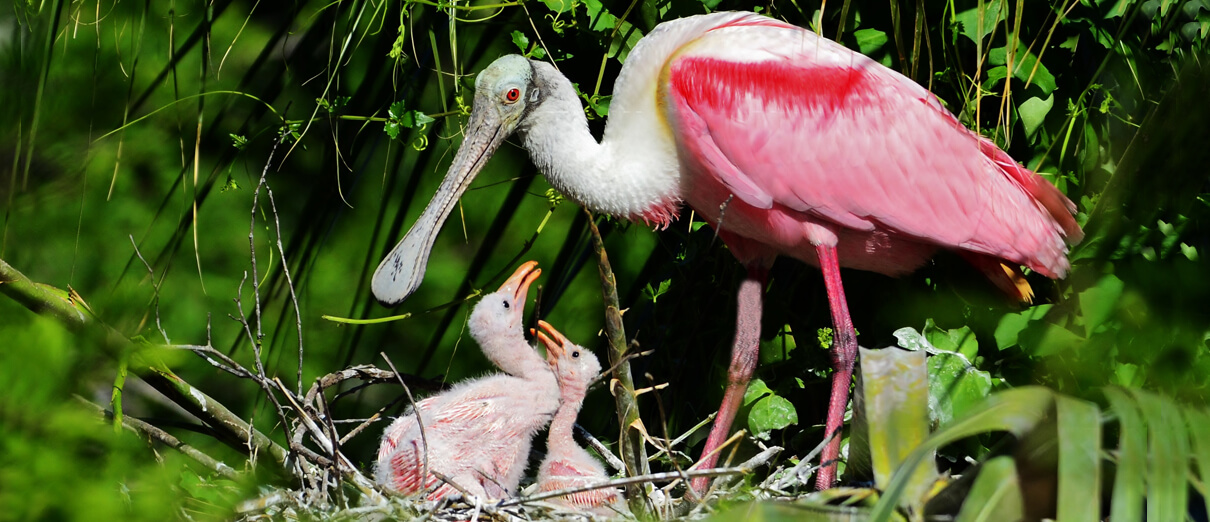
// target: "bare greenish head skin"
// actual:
[[504, 92]]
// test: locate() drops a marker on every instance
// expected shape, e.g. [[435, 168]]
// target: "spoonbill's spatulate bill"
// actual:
[[787, 144], [479, 432]]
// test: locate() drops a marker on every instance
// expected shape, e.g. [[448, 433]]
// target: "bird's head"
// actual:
[[499, 314], [574, 366], [505, 92]]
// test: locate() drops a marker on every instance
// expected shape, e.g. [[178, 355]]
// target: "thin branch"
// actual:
[[632, 448], [424, 470], [150, 431], [50, 301], [613, 460], [743, 469]]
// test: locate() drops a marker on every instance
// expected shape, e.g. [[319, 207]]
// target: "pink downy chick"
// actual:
[[479, 432], [567, 465]]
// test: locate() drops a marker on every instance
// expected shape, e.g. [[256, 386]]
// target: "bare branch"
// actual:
[[743, 469], [146, 429]]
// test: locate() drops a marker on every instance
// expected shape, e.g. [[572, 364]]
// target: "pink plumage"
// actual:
[[479, 432], [567, 465], [787, 144]]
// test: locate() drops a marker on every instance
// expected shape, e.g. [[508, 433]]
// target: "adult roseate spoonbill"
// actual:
[[479, 432], [787, 144], [567, 465]]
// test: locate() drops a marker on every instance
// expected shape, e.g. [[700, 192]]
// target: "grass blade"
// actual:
[[1128, 486], [1016, 411], [1166, 493], [995, 495], [1199, 430], [1079, 460]]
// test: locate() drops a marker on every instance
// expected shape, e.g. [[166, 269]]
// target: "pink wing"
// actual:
[[785, 119]]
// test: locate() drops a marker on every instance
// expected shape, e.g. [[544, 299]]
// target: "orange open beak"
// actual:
[[520, 281], [553, 340]]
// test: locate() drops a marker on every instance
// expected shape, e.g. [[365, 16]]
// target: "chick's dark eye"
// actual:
[[575, 354], [505, 303], [512, 95]]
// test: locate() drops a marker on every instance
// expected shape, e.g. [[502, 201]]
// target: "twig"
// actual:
[[420, 423], [804, 466], [209, 354], [743, 469], [47, 300], [677, 441], [633, 450], [263, 379], [285, 267], [469, 498], [155, 286], [611, 459], [139, 426]]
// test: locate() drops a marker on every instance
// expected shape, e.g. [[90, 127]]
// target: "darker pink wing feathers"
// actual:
[[828, 132]]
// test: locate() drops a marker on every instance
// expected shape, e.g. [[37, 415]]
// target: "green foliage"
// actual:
[[767, 411], [1102, 98]]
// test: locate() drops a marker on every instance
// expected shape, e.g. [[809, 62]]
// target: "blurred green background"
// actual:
[[143, 129]]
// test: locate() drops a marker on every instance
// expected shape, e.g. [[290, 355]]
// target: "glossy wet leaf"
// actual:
[[955, 387], [961, 340], [895, 386]]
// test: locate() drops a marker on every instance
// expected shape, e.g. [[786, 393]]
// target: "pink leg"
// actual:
[[745, 352], [844, 354]]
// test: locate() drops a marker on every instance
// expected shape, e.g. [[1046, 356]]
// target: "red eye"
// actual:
[[512, 95]]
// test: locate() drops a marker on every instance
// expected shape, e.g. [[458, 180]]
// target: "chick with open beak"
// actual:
[[479, 432], [567, 465]]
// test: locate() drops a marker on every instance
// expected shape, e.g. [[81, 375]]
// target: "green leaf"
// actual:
[[654, 293], [621, 34], [1043, 339], [521, 41], [1169, 447], [870, 41], [560, 6], [238, 141], [995, 75], [960, 340], [1033, 113], [1011, 325], [1128, 488], [970, 21], [1079, 429], [1199, 430], [778, 349], [768, 411], [895, 387], [955, 387], [995, 493], [412, 119], [1098, 303], [1017, 411], [1026, 67]]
